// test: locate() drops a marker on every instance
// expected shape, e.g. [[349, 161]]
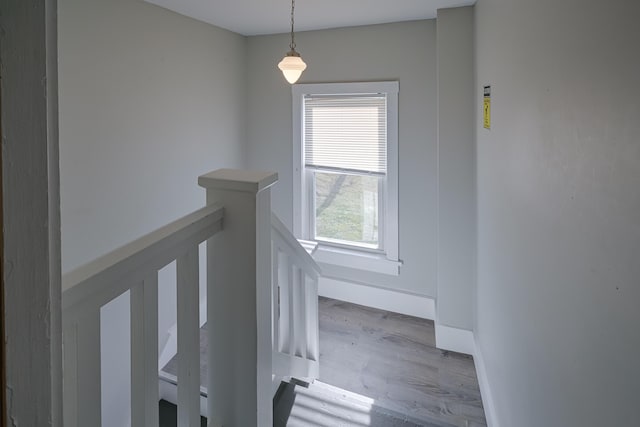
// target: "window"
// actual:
[[345, 172]]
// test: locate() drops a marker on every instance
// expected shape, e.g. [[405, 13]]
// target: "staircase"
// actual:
[[300, 404], [261, 312]]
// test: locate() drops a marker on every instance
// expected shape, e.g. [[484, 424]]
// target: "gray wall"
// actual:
[[149, 100], [456, 168], [405, 52], [559, 210]]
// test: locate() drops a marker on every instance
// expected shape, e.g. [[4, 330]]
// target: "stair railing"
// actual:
[[134, 267], [295, 301], [253, 339]]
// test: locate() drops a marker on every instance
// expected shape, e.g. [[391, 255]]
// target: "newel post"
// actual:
[[239, 299]]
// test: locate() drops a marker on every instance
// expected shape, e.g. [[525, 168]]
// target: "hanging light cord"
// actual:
[[293, 40]]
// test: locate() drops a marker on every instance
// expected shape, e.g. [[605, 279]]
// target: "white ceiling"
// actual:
[[253, 17]]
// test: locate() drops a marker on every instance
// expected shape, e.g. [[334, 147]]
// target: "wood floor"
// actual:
[[299, 404], [392, 358]]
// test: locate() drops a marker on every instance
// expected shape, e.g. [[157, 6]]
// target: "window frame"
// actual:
[[384, 260]]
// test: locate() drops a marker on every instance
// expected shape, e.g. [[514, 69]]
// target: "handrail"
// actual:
[[295, 247], [98, 282], [134, 267]]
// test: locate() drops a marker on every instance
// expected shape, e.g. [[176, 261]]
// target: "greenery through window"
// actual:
[[346, 208]]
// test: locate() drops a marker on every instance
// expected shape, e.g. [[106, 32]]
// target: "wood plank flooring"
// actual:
[[392, 358], [299, 404]]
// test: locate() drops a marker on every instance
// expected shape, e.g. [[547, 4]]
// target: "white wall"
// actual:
[[404, 52], [149, 100], [456, 168], [559, 210]]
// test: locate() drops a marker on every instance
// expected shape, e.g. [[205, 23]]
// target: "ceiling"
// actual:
[[254, 17]]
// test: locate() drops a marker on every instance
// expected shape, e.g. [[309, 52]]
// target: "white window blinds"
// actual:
[[346, 132]]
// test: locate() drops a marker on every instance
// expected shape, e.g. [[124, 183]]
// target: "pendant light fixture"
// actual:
[[292, 64]]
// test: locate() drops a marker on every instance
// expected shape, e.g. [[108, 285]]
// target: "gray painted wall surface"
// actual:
[[31, 215], [559, 210], [405, 52], [456, 168], [149, 100]]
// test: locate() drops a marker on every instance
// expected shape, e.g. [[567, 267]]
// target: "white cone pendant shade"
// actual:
[[292, 67]]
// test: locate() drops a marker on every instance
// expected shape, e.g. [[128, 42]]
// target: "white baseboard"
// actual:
[[454, 339], [383, 299], [485, 390]]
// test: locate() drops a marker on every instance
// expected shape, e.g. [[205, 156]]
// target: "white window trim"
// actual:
[[387, 262]]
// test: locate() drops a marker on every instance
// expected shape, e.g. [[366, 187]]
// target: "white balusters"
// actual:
[[299, 330], [275, 296], [144, 353], [188, 339], [296, 308], [135, 267], [261, 310], [284, 283], [293, 305], [311, 305]]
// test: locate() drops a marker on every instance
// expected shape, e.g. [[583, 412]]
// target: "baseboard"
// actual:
[[485, 390], [454, 339], [383, 299]]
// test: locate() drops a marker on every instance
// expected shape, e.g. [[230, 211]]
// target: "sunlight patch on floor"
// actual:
[[330, 406]]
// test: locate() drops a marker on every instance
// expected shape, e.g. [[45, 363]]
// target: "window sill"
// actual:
[[359, 260]]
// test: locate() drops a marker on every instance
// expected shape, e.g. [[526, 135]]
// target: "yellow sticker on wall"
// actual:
[[487, 107]]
